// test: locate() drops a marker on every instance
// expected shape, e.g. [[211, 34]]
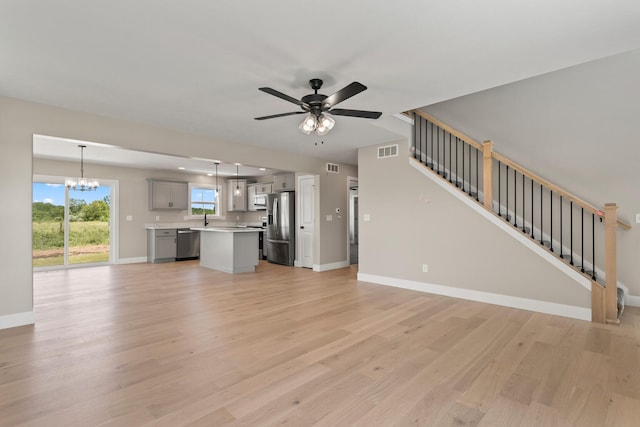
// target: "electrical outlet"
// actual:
[[129, 218], [366, 217], [158, 218], [637, 218], [425, 268], [329, 217]]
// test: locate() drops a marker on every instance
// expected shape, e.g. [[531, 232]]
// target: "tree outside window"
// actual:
[[203, 199]]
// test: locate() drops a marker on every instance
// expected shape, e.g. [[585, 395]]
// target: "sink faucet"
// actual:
[[205, 220]]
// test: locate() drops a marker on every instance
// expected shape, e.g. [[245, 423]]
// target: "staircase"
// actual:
[[578, 233]]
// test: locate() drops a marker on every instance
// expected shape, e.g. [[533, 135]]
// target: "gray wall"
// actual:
[[413, 221], [20, 120], [576, 127]]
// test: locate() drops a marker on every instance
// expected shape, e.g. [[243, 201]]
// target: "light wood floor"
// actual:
[[176, 344]]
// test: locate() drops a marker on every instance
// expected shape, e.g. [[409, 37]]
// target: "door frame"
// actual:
[[352, 181], [113, 221], [298, 260]]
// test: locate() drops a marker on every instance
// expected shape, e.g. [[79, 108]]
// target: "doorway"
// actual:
[[306, 222], [353, 219], [70, 228]]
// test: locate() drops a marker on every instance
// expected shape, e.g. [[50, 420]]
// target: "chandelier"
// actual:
[[82, 183]]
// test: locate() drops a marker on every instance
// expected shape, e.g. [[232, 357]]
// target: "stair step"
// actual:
[[565, 256], [525, 230], [507, 217]]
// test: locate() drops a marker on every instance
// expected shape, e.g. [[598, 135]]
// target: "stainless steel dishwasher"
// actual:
[[188, 245]]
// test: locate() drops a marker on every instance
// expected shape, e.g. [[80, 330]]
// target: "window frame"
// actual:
[[217, 204]]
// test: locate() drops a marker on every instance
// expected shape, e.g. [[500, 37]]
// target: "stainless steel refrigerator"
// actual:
[[281, 228]]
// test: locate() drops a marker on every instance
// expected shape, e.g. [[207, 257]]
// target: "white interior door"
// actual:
[[306, 223]]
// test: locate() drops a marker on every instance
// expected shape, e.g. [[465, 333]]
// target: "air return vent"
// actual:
[[333, 168], [388, 151]]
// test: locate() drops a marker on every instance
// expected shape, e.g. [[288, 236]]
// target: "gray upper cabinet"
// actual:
[[251, 197], [264, 188], [168, 194], [284, 182]]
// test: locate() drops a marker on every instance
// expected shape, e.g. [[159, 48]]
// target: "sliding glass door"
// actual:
[[70, 227]]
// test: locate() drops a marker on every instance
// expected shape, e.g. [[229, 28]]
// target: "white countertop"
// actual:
[[195, 226], [223, 229]]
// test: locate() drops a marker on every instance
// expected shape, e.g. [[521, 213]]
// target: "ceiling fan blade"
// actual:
[[282, 96], [344, 93], [279, 115], [355, 113]]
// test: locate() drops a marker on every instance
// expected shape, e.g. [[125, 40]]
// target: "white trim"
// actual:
[[135, 260], [507, 228], [298, 212], [632, 300], [17, 319], [114, 212], [331, 266], [217, 203], [351, 180], [580, 313]]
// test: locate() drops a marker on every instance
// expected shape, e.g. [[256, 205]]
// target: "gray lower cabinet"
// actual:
[[161, 245]]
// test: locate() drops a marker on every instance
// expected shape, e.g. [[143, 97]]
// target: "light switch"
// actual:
[[637, 218], [329, 217], [366, 217], [129, 218]]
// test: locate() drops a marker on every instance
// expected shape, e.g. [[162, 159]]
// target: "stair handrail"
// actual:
[[448, 128], [589, 207], [604, 297]]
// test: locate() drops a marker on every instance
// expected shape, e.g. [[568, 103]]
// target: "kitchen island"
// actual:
[[229, 249]]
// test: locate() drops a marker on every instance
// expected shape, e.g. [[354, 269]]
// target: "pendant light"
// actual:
[[217, 188], [217, 163], [237, 191], [82, 183]]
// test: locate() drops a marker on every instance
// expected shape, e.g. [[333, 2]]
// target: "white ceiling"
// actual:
[[196, 66]]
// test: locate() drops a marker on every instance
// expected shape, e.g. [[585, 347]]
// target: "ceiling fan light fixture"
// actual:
[[309, 124], [325, 124], [310, 121]]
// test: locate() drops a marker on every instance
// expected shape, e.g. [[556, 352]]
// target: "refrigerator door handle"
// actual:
[[277, 241], [275, 212]]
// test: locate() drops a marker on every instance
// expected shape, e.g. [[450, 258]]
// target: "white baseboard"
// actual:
[[17, 319], [632, 300], [573, 312], [331, 266], [132, 260]]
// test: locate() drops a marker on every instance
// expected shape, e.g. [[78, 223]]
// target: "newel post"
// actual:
[[487, 182], [610, 262]]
